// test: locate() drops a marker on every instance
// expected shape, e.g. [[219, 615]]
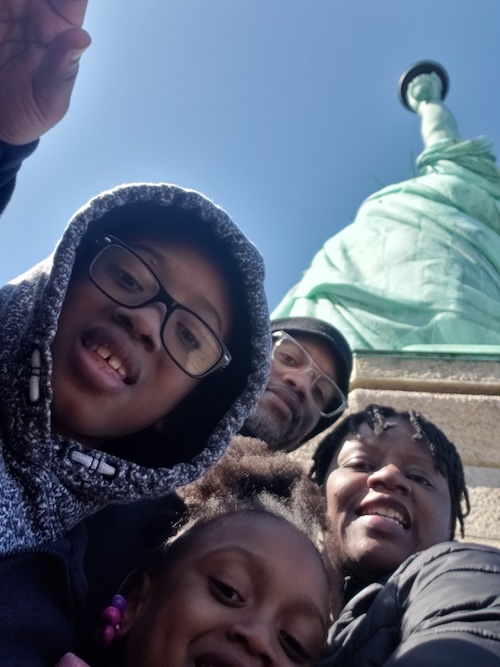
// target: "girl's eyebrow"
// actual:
[[152, 258], [210, 309], [158, 258]]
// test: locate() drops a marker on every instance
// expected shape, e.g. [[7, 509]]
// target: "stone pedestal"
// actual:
[[458, 392]]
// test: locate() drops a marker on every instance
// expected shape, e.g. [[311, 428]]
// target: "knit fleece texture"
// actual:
[[45, 490]]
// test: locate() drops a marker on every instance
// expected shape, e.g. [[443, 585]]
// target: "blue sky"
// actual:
[[284, 112]]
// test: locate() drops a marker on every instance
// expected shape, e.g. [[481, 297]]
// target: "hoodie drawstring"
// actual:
[[36, 368], [93, 463]]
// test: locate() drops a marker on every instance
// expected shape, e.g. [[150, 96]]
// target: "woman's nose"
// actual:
[[390, 477], [143, 324]]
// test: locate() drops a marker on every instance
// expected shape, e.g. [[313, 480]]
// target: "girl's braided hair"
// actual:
[[378, 418]]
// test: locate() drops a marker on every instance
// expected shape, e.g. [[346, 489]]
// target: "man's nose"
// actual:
[[301, 381], [389, 477], [143, 324]]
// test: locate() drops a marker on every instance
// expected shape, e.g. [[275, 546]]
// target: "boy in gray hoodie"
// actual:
[[128, 358]]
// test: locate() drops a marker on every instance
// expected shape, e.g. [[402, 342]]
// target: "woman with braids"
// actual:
[[395, 490], [241, 584]]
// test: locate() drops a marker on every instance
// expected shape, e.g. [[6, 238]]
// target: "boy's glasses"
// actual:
[[125, 278], [290, 354]]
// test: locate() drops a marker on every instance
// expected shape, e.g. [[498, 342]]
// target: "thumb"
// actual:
[[57, 72], [70, 660]]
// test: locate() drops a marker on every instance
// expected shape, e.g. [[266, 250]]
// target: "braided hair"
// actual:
[[378, 418]]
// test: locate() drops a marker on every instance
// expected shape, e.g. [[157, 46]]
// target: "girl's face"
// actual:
[[250, 590], [111, 373], [386, 500]]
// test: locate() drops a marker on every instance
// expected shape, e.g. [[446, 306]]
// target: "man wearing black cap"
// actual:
[[308, 384]]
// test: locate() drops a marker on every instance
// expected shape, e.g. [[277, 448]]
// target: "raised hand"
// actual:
[[41, 42]]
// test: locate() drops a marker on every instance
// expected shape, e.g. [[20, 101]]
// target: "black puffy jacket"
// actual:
[[441, 608]]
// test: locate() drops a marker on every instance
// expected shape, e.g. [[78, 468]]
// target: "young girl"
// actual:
[[241, 583]]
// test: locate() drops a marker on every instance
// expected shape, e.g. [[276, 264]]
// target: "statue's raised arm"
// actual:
[[423, 88]]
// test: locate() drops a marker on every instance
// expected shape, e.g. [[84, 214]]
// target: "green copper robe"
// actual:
[[420, 265]]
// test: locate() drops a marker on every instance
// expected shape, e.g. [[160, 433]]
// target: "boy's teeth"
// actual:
[[103, 352], [113, 361]]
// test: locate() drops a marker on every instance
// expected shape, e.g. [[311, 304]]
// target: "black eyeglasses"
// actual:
[[289, 353], [125, 278]]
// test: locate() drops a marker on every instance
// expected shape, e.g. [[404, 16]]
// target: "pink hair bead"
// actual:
[[111, 615], [111, 620], [107, 635]]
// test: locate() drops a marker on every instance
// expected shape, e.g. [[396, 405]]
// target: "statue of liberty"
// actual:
[[419, 268]]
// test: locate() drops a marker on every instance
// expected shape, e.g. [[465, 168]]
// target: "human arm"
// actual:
[[441, 608], [43, 597], [452, 609], [11, 158], [40, 45]]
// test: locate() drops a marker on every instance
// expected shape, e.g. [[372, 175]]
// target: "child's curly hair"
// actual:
[[250, 478]]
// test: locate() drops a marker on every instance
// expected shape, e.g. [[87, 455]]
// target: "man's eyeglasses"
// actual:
[[125, 278], [289, 354]]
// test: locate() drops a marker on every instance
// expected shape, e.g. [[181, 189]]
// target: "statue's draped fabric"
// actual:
[[420, 265]]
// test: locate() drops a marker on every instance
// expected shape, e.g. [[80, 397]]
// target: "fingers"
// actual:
[[57, 72], [71, 660], [72, 11]]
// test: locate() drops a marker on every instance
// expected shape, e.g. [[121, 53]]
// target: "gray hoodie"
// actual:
[[48, 483]]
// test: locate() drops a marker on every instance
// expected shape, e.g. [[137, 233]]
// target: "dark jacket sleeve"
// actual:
[[42, 593], [452, 612], [11, 158], [120, 539], [441, 608]]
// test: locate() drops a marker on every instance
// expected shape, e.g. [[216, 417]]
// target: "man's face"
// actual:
[[111, 374], [386, 500], [287, 411]]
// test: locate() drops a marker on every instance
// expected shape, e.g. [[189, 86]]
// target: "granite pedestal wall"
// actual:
[[461, 394]]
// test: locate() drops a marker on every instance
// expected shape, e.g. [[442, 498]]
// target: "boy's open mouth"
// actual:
[[112, 360], [110, 349]]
